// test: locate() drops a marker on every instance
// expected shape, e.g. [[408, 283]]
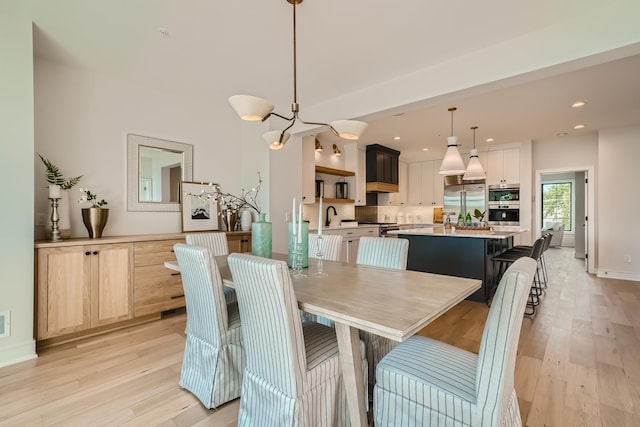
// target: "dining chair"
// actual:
[[331, 246], [218, 244], [213, 359], [293, 374], [388, 253], [427, 382]]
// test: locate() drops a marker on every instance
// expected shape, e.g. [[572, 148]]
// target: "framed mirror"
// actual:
[[155, 168]]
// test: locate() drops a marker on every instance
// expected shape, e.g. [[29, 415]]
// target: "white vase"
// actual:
[[245, 220], [64, 214]]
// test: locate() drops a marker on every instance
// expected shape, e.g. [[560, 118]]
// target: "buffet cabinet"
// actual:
[[88, 286]]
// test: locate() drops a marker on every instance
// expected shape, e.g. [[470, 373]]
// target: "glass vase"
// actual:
[[261, 237], [293, 240]]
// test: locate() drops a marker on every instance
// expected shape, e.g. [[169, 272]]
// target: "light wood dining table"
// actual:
[[394, 304]]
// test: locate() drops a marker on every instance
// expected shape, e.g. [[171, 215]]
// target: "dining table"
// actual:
[[395, 304]]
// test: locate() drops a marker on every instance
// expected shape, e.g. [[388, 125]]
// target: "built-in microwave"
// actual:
[[504, 194]]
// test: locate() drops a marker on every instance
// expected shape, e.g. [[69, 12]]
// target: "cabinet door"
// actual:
[[511, 166], [414, 196], [427, 183], [63, 291], [239, 242], [494, 167], [112, 283], [438, 184]]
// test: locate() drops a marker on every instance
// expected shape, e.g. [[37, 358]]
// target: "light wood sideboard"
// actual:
[[86, 286]]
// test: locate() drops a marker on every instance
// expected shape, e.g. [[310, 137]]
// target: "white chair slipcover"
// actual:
[[331, 246], [387, 253], [427, 382], [218, 244], [213, 359], [293, 375]]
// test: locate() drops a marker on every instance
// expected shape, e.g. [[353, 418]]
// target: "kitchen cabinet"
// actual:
[[426, 185], [401, 197], [356, 160], [382, 168], [503, 166], [308, 170], [351, 240], [239, 241], [82, 287]]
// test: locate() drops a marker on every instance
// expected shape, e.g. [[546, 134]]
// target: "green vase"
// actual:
[[261, 237], [293, 240]]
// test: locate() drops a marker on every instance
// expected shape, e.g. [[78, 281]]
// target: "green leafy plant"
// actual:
[[479, 215], [55, 177]]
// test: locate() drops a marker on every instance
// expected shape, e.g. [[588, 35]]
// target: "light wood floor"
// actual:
[[578, 364]]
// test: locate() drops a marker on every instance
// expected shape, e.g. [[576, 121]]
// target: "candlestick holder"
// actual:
[[56, 235], [297, 268], [320, 255]]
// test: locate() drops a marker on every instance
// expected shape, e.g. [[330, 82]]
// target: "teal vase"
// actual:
[[293, 240], [261, 237]]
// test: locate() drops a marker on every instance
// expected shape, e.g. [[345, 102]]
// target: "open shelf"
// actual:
[[328, 200], [332, 171]]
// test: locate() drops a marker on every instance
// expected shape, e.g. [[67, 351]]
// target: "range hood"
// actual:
[[382, 169]]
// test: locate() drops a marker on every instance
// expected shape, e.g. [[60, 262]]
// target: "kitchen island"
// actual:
[[461, 253]]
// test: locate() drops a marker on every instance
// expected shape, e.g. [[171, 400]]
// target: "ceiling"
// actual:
[[212, 49]]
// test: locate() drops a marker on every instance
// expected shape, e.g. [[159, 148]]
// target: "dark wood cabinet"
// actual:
[[382, 166]]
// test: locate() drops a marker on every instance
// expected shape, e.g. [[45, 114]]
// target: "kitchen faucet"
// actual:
[[327, 222]]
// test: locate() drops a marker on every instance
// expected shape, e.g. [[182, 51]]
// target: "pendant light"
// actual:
[[254, 108], [452, 163], [474, 168]]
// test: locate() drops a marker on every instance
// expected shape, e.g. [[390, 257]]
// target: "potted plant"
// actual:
[[94, 217], [54, 176], [477, 214]]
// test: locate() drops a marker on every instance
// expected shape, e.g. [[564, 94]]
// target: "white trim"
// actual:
[[16, 353], [621, 275], [591, 208]]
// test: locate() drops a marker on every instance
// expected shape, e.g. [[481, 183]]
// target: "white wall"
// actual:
[[619, 203], [16, 173], [82, 120]]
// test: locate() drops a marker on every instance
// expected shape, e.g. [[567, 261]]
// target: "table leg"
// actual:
[[351, 360]]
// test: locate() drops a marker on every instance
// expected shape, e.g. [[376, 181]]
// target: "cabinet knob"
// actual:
[[95, 252], [87, 253]]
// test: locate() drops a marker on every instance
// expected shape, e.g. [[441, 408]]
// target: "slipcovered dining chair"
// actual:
[[213, 359], [293, 374], [427, 382], [219, 246], [387, 253], [331, 246]]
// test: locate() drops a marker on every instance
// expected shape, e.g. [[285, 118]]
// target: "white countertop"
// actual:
[[478, 234]]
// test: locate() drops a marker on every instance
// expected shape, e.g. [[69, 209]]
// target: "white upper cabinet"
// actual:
[[426, 185], [415, 184], [503, 166], [356, 160], [308, 169]]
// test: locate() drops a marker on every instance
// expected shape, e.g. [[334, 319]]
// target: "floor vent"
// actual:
[[5, 324]]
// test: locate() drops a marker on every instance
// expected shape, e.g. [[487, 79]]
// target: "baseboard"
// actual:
[[622, 275], [16, 353]]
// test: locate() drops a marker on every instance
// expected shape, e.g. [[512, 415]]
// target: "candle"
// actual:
[[300, 225], [293, 215], [320, 218], [54, 191]]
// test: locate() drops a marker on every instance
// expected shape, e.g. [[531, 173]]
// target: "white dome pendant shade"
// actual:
[[452, 163], [273, 139], [349, 129], [474, 168], [251, 107]]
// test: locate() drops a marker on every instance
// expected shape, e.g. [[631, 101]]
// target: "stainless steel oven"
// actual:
[[506, 213]]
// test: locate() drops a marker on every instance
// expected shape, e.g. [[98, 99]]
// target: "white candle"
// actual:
[[320, 218], [300, 225], [54, 191], [293, 217]]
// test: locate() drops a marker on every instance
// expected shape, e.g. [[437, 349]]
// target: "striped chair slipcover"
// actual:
[[213, 355], [427, 382], [217, 243], [331, 246], [388, 253], [293, 375]]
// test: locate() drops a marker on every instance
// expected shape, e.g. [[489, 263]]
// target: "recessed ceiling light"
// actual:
[[489, 140], [425, 149], [580, 126], [396, 138], [561, 134], [578, 104]]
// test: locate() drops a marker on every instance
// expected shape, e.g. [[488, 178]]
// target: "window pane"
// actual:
[[556, 203]]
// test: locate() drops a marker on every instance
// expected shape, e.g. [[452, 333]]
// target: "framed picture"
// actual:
[[198, 214]]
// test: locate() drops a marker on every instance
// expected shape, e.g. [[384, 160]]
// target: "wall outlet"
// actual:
[[627, 258], [40, 219]]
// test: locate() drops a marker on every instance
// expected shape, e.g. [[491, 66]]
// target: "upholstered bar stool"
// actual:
[[219, 246], [424, 382]]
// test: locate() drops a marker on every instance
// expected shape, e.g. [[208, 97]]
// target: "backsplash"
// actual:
[[310, 213], [399, 214]]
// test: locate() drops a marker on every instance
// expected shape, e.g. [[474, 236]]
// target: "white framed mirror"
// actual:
[[155, 168]]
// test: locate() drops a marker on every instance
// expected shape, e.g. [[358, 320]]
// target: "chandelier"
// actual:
[[253, 108]]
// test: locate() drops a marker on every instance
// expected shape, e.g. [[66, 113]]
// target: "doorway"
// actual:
[[582, 210]]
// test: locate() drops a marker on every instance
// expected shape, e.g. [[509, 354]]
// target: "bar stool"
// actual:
[[548, 237]]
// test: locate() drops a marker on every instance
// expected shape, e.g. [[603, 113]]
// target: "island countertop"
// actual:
[[478, 234]]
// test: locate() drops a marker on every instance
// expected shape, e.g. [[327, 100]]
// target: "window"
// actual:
[[557, 200]]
